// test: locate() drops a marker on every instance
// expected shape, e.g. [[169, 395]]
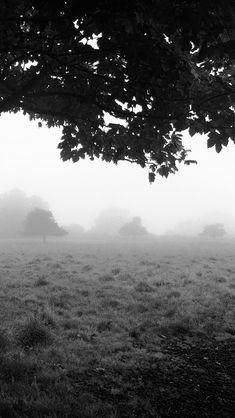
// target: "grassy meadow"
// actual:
[[115, 330]]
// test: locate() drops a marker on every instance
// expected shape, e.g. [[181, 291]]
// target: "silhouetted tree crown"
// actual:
[[159, 66], [41, 222], [214, 230], [134, 227]]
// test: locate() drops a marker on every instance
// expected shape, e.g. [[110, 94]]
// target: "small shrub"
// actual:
[[32, 333]]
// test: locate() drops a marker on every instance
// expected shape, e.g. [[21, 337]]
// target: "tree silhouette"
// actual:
[[14, 207], [160, 67], [214, 231], [133, 228], [41, 222]]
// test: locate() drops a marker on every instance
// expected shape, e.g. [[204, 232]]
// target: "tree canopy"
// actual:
[[42, 223], [214, 230], [158, 67], [133, 228]]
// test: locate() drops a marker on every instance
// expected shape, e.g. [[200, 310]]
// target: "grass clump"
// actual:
[[174, 294], [17, 368], [70, 323], [106, 278], [177, 328], [48, 318], [32, 333], [111, 303], [85, 292], [116, 271], [60, 300], [104, 325], [4, 340], [220, 279], [86, 268], [41, 281], [143, 287]]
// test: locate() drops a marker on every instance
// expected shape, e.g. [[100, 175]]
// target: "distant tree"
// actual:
[[158, 66], [110, 221], [14, 207], [133, 228], [41, 222], [214, 231]]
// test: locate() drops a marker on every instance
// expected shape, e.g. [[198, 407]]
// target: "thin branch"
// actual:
[[218, 96]]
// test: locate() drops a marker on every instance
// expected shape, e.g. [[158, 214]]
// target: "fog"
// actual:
[[77, 193]]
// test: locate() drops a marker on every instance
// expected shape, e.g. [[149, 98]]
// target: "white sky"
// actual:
[[76, 193]]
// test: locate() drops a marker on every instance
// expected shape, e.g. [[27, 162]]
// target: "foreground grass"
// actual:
[[116, 330]]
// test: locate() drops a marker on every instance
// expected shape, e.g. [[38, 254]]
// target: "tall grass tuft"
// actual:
[[32, 333], [4, 340]]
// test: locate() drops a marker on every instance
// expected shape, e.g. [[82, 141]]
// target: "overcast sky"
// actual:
[[76, 193]]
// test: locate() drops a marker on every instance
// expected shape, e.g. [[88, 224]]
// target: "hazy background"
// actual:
[[76, 193]]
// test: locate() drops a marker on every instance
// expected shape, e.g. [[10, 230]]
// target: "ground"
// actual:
[[117, 329]]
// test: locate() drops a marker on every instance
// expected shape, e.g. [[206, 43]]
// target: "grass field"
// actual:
[[117, 329]]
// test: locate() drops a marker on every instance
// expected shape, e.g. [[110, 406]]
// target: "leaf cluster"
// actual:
[[158, 67]]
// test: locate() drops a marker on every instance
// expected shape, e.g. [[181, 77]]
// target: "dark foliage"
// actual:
[[160, 66], [41, 222], [133, 228]]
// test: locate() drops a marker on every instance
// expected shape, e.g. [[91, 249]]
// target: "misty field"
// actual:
[[117, 329]]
